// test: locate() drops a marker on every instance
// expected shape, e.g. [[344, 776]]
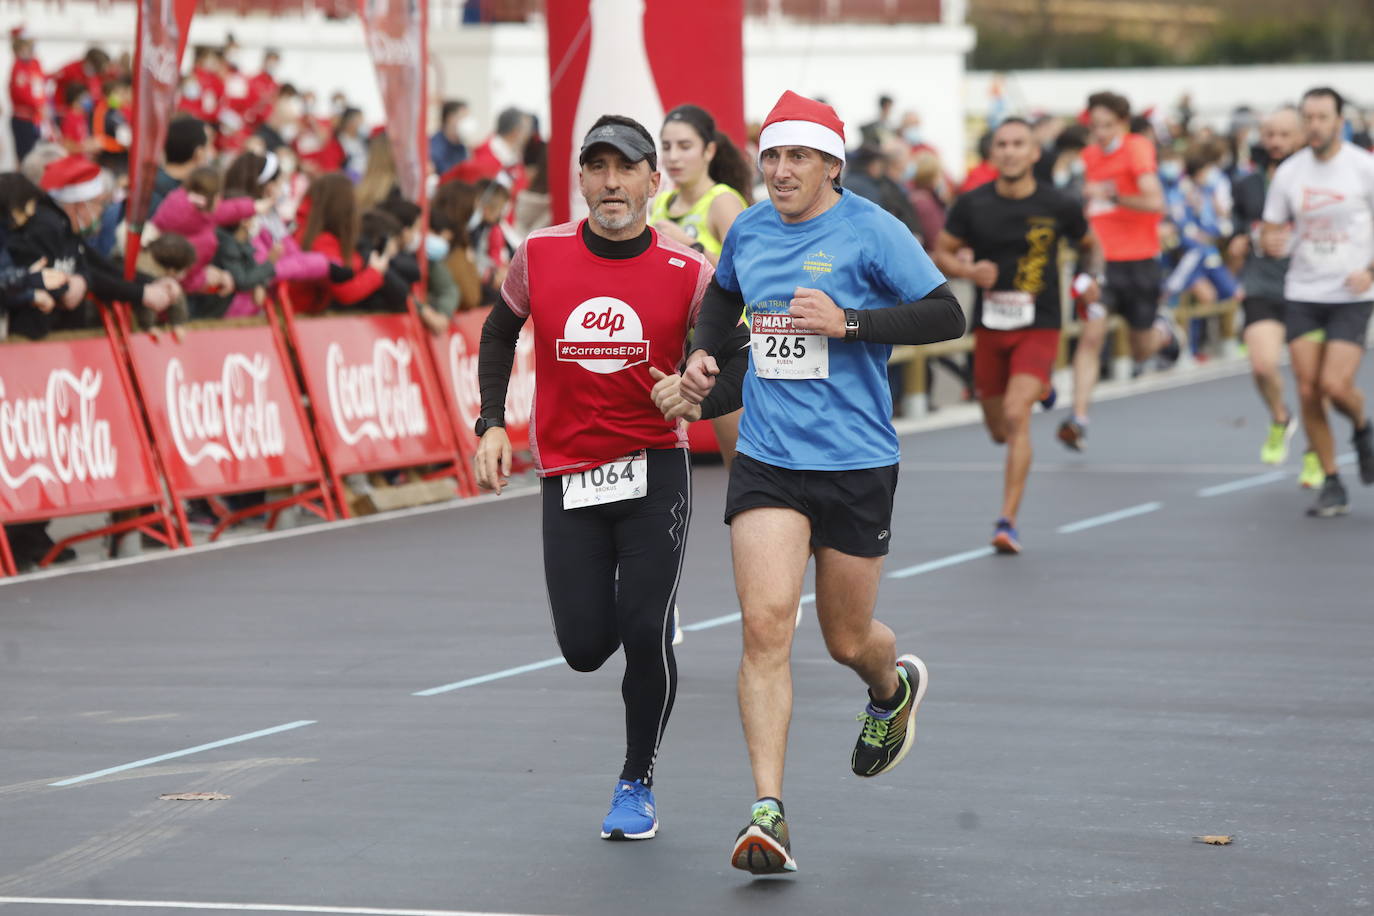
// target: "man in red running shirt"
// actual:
[[1124, 202], [612, 303]]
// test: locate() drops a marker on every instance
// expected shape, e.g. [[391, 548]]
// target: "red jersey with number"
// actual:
[[599, 324]]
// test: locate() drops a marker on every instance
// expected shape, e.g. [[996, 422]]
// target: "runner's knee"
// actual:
[[585, 654]]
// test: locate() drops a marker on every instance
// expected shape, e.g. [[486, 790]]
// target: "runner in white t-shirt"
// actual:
[[1320, 211]]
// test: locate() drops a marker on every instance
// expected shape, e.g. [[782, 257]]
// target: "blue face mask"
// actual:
[[436, 248], [913, 136], [1171, 170]]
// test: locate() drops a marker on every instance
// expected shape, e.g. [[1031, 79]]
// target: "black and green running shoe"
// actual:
[[887, 735], [763, 847]]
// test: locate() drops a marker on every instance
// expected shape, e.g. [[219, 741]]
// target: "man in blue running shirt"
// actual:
[[828, 282]]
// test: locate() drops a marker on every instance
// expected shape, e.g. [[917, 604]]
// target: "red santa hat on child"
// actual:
[[73, 180], [798, 121]]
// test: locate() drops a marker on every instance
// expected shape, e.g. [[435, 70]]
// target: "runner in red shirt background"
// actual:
[[1124, 204]]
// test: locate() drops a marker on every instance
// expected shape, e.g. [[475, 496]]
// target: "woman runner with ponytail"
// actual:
[[712, 183]]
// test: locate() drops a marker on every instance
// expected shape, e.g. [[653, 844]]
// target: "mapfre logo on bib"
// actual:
[[603, 335]]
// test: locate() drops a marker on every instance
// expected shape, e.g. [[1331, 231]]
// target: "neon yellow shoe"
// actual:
[[1313, 475], [1275, 448]]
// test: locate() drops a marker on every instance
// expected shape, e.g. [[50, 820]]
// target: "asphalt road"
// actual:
[[1178, 652]]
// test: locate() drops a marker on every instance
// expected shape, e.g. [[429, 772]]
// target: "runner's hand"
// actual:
[[673, 231], [43, 301], [54, 278], [1360, 281], [667, 395], [492, 461], [699, 377], [814, 310], [76, 292], [983, 274]]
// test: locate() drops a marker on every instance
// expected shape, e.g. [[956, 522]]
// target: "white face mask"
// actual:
[[469, 131], [414, 244]]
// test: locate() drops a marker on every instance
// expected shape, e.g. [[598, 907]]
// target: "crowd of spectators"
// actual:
[[257, 197]]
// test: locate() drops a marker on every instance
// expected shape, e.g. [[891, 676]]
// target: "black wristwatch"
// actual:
[[851, 324], [485, 423]]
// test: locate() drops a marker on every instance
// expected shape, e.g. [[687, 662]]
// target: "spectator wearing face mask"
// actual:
[[446, 146]]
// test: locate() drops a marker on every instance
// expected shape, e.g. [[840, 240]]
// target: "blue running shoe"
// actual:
[[1048, 401], [1005, 538], [632, 815]]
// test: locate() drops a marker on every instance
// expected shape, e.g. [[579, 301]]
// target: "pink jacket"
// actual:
[[177, 214], [293, 264]]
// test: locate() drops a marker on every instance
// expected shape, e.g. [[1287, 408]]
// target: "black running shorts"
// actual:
[[1347, 321], [1261, 308], [849, 511], [1132, 291]]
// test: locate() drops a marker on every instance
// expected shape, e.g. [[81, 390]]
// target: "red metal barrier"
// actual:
[[72, 442], [374, 398], [456, 359], [226, 417]]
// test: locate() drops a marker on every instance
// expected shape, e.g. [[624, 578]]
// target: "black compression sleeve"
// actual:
[[496, 356], [727, 395], [720, 312], [936, 317]]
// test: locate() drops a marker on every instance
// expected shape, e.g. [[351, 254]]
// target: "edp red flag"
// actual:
[[396, 37], [70, 439], [224, 409], [639, 58]]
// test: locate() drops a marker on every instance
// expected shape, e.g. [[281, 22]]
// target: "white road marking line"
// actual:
[[488, 678], [1244, 483], [943, 562], [190, 750], [249, 907], [1095, 521], [713, 622]]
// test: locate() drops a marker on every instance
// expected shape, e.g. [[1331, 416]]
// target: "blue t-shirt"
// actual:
[[863, 258]]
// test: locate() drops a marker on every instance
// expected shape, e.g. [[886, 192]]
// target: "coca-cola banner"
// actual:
[[456, 357], [396, 37], [70, 439], [225, 414], [640, 58], [376, 404]]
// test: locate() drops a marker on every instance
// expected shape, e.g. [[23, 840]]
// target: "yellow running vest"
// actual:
[[696, 221]]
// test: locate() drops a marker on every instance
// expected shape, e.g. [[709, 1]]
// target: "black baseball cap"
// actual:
[[629, 142]]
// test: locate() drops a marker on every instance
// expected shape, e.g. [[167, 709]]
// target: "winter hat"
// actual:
[[73, 180], [798, 121]]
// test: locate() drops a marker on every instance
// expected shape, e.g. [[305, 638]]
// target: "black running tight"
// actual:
[[612, 573]]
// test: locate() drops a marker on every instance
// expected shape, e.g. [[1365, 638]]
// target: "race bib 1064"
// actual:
[[783, 351], [1008, 310], [623, 478]]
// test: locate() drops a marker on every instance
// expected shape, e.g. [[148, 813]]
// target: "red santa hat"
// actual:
[[73, 180], [798, 121]]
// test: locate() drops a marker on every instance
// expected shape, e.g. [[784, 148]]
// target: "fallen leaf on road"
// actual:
[[193, 796], [1222, 840]]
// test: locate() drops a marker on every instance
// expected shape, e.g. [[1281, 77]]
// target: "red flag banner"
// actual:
[[161, 36], [396, 38], [639, 58]]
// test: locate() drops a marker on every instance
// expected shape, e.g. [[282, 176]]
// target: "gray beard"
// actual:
[[615, 225]]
